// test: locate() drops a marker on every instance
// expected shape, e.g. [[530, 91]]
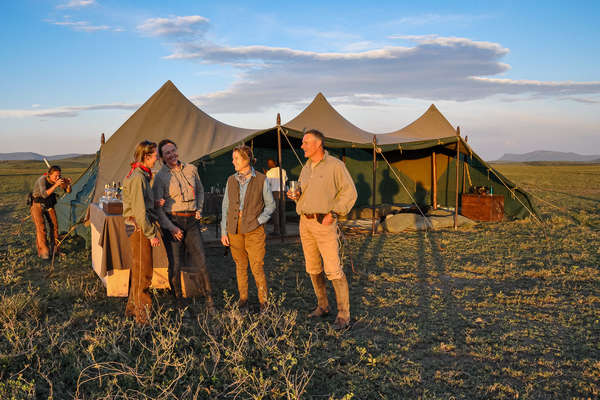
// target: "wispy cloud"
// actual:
[[437, 19], [82, 26], [77, 4], [582, 100], [414, 38], [191, 25], [432, 68], [64, 111]]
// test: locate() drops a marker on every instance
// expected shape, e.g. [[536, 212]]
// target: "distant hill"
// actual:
[[34, 156], [542, 155]]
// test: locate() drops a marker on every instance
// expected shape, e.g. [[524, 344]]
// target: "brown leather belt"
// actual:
[[183, 213]]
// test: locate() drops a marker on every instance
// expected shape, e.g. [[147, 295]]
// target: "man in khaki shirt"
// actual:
[[326, 191]]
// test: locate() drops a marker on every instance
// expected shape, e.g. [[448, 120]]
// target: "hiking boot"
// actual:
[[318, 282], [243, 306], [341, 323], [342, 296], [318, 312]]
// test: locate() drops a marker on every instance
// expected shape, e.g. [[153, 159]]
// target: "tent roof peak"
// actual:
[[321, 115], [430, 125]]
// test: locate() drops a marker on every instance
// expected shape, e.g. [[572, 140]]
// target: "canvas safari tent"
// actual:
[[414, 164]]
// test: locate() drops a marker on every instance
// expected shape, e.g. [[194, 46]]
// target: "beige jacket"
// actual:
[[138, 202]]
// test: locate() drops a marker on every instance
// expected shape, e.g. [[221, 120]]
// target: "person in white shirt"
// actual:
[[278, 216]]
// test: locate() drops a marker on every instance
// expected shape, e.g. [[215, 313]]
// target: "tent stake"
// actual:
[[281, 194], [374, 183], [434, 180], [457, 160]]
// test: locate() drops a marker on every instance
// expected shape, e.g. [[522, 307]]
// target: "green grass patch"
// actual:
[[500, 310]]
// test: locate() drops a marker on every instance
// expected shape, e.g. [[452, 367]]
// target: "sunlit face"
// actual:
[[311, 145], [150, 159], [53, 177], [170, 155], [239, 162]]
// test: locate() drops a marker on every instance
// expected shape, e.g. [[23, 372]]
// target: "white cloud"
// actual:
[[77, 4], [81, 25], [434, 68], [64, 111], [190, 25]]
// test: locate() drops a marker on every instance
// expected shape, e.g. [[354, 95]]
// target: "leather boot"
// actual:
[[318, 282], [342, 296], [205, 285]]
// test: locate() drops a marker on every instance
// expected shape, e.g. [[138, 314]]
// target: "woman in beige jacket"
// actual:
[[140, 219]]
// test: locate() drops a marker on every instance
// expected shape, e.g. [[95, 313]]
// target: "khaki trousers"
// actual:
[[40, 215], [320, 242], [249, 247], [140, 278]]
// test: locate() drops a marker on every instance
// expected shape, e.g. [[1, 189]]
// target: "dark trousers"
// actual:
[[176, 252], [278, 216], [40, 215], [140, 278]]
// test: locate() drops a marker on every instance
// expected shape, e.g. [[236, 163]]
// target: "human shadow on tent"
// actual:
[[388, 187], [363, 189]]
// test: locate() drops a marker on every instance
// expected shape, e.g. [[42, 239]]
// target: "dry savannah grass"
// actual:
[[503, 310]]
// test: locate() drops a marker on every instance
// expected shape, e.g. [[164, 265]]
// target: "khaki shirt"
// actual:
[[138, 202], [182, 190], [326, 186]]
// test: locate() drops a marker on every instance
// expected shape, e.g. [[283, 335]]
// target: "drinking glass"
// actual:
[[295, 188]]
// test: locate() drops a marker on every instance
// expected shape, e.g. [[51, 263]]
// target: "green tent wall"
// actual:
[[208, 142]]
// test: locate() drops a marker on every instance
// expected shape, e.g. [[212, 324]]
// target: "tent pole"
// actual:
[[281, 195], [465, 167], [374, 183], [434, 180], [457, 159], [102, 140]]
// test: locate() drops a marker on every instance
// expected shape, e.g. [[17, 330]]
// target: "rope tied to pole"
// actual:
[[290, 143]]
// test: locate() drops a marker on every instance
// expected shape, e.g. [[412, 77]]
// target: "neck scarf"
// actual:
[[242, 179], [142, 167]]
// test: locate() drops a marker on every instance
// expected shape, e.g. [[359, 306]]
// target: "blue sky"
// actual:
[[515, 76]]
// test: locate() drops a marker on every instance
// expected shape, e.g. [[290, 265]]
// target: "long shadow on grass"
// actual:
[[446, 324], [358, 278]]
